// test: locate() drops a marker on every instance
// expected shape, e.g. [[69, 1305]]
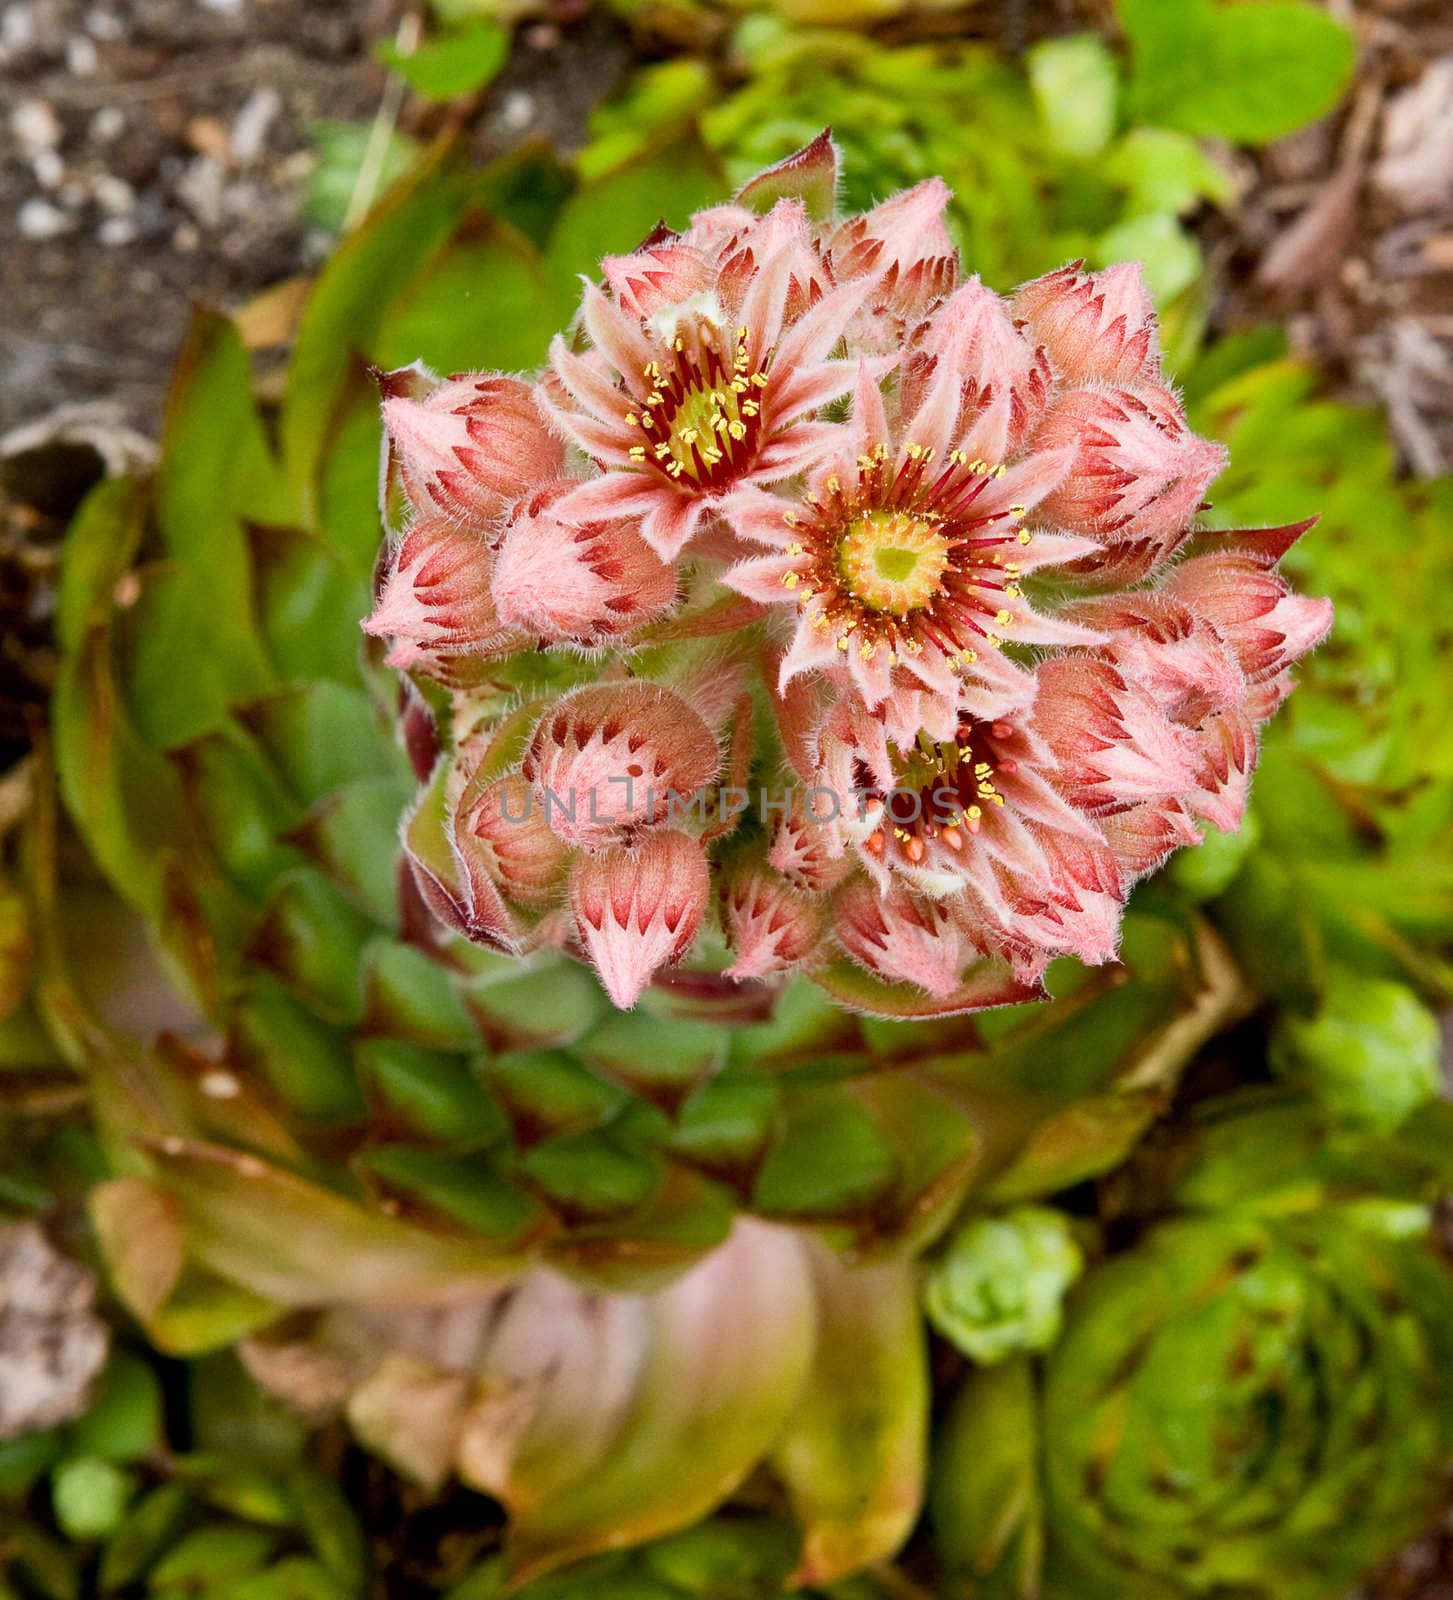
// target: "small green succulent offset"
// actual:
[[999, 1286]]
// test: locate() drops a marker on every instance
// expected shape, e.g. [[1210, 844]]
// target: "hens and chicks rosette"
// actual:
[[816, 580]]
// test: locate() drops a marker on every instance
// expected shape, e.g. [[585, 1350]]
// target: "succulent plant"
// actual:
[[999, 1285], [1252, 1399], [890, 678], [403, 1165]]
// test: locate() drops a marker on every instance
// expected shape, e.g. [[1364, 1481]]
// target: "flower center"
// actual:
[[892, 561], [900, 558], [943, 792], [702, 419]]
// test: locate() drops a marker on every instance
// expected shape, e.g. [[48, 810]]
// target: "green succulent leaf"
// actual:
[[124, 1419], [144, 1533], [852, 1456], [457, 62], [1372, 1051], [1075, 84], [294, 1243], [89, 1497], [986, 1504], [722, 1357], [1248, 72]]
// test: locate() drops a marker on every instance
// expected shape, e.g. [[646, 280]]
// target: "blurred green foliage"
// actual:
[[219, 1501], [1041, 162], [1348, 861], [1247, 73], [1252, 1399]]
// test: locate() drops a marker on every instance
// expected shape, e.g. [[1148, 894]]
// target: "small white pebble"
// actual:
[[103, 24], [39, 219], [228, 8], [114, 195], [517, 110], [186, 239], [82, 57], [35, 125], [48, 168], [109, 123], [116, 231], [202, 188], [17, 28], [250, 125]]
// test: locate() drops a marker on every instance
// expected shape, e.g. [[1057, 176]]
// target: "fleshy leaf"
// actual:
[[810, 175], [853, 1453], [654, 1409]]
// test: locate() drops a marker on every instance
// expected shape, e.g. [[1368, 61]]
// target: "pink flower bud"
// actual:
[[770, 926], [807, 849], [1145, 835], [1003, 379], [612, 757], [473, 447], [901, 937], [435, 598], [588, 583], [1139, 475], [1093, 324], [1163, 645], [1112, 743], [905, 246], [1227, 755], [506, 827], [639, 910], [1253, 608]]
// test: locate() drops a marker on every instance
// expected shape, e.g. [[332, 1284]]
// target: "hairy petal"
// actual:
[[637, 910]]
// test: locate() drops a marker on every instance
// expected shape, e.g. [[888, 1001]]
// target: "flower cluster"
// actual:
[[814, 580]]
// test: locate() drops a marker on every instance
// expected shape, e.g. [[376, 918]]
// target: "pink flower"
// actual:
[[866, 616], [707, 360], [902, 560]]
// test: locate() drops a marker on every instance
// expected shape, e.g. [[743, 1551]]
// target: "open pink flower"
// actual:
[[708, 359], [902, 561], [865, 632]]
